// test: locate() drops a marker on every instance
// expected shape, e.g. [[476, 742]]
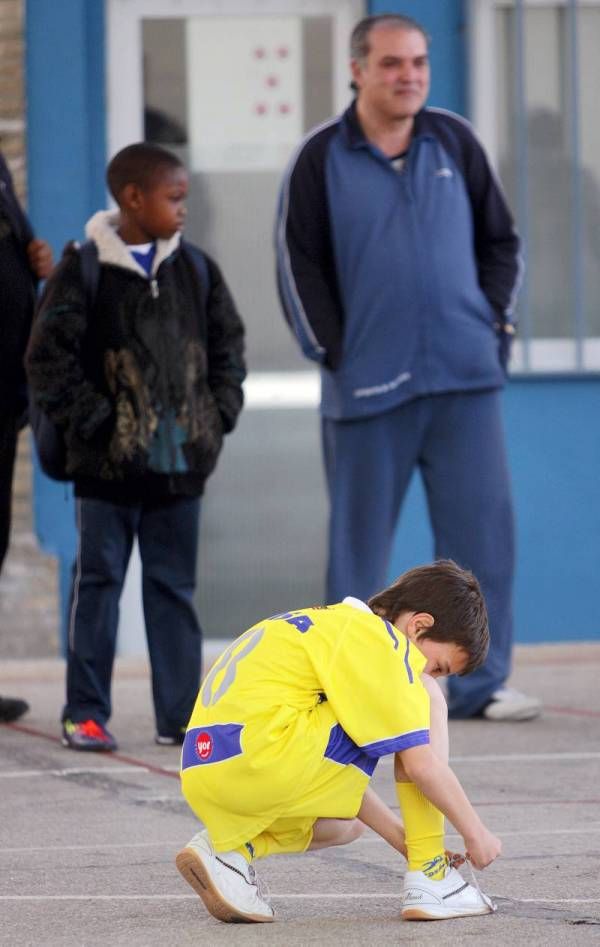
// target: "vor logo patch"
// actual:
[[204, 745]]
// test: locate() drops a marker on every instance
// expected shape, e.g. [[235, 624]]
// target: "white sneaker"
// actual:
[[225, 881], [509, 704], [427, 900]]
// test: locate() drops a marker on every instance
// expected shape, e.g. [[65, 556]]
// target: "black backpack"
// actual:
[[48, 437]]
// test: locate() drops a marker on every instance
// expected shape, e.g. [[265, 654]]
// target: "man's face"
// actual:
[[393, 81], [162, 210]]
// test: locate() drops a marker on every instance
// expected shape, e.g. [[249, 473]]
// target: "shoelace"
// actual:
[[484, 897], [455, 860], [260, 884]]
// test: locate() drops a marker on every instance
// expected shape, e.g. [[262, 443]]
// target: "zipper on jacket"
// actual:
[[154, 292], [166, 400], [409, 186], [405, 177]]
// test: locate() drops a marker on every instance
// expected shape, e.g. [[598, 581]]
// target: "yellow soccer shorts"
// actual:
[[336, 784]]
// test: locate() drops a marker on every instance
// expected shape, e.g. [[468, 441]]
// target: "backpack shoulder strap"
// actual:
[[196, 257], [90, 270]]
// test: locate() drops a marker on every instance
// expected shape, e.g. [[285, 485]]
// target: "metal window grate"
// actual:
[[535, 103]]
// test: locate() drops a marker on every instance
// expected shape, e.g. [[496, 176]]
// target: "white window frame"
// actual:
[[482, 58], [124, 48], [543, 354]]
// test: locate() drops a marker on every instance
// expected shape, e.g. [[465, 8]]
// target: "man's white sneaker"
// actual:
[[225, 881], [427, 900], [508, 704]]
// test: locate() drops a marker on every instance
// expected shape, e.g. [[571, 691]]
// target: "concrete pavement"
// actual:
[[88, 841]]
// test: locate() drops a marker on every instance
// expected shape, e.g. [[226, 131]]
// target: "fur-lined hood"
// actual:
[[102, 229]]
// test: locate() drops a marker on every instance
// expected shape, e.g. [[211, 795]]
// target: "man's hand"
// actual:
[[39, 254], [483, 848]]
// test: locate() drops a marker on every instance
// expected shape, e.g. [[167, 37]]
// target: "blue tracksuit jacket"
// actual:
[[398, 283]]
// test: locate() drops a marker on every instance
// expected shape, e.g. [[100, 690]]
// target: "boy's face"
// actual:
[[443, 657], [159, 211]]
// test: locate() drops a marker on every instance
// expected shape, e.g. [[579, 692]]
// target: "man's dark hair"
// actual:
[[454, 599], [359, 41], [140, 164]]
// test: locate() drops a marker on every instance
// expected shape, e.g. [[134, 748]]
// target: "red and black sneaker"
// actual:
[[87, 735]]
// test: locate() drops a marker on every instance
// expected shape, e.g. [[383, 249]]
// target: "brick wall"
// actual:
[[28, 585], [12, 89]]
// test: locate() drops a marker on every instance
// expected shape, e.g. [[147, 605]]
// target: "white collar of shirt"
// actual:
[[356, 603], [142, 248]]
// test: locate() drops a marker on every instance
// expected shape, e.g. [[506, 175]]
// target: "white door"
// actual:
[[231, 87]]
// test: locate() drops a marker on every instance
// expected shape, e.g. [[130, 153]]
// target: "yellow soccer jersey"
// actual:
[[332, 686]]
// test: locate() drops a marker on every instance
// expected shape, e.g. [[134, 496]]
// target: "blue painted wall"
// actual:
[[553, 436], [552, 424], [444, 20], [66, 148]]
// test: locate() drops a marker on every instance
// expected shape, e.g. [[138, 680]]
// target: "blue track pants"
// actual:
[[457, 442]]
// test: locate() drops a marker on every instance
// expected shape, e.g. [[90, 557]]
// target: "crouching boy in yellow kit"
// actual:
[[291, 721]]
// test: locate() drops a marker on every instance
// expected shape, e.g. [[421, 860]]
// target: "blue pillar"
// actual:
[[444, 20], [66, 151]]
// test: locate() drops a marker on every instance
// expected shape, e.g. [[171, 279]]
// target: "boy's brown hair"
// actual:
[[453, 598]]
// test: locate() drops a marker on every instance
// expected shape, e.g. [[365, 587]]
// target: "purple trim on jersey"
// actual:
[[213, 744], [396, 744], [407, 665], [390, 632], [341, 749]]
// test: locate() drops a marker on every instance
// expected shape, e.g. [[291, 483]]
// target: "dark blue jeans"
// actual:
[[457, 442], [167, 533], [8, 450]]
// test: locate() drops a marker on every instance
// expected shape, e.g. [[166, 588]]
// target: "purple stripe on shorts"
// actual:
[[211, 744]]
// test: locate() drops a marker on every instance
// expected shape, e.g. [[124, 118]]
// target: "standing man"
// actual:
[[398, 264], [23, 261]]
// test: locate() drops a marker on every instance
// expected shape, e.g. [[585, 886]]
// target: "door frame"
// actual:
[[124, 48]]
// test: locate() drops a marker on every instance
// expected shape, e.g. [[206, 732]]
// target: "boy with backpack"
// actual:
[[139, 365]]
